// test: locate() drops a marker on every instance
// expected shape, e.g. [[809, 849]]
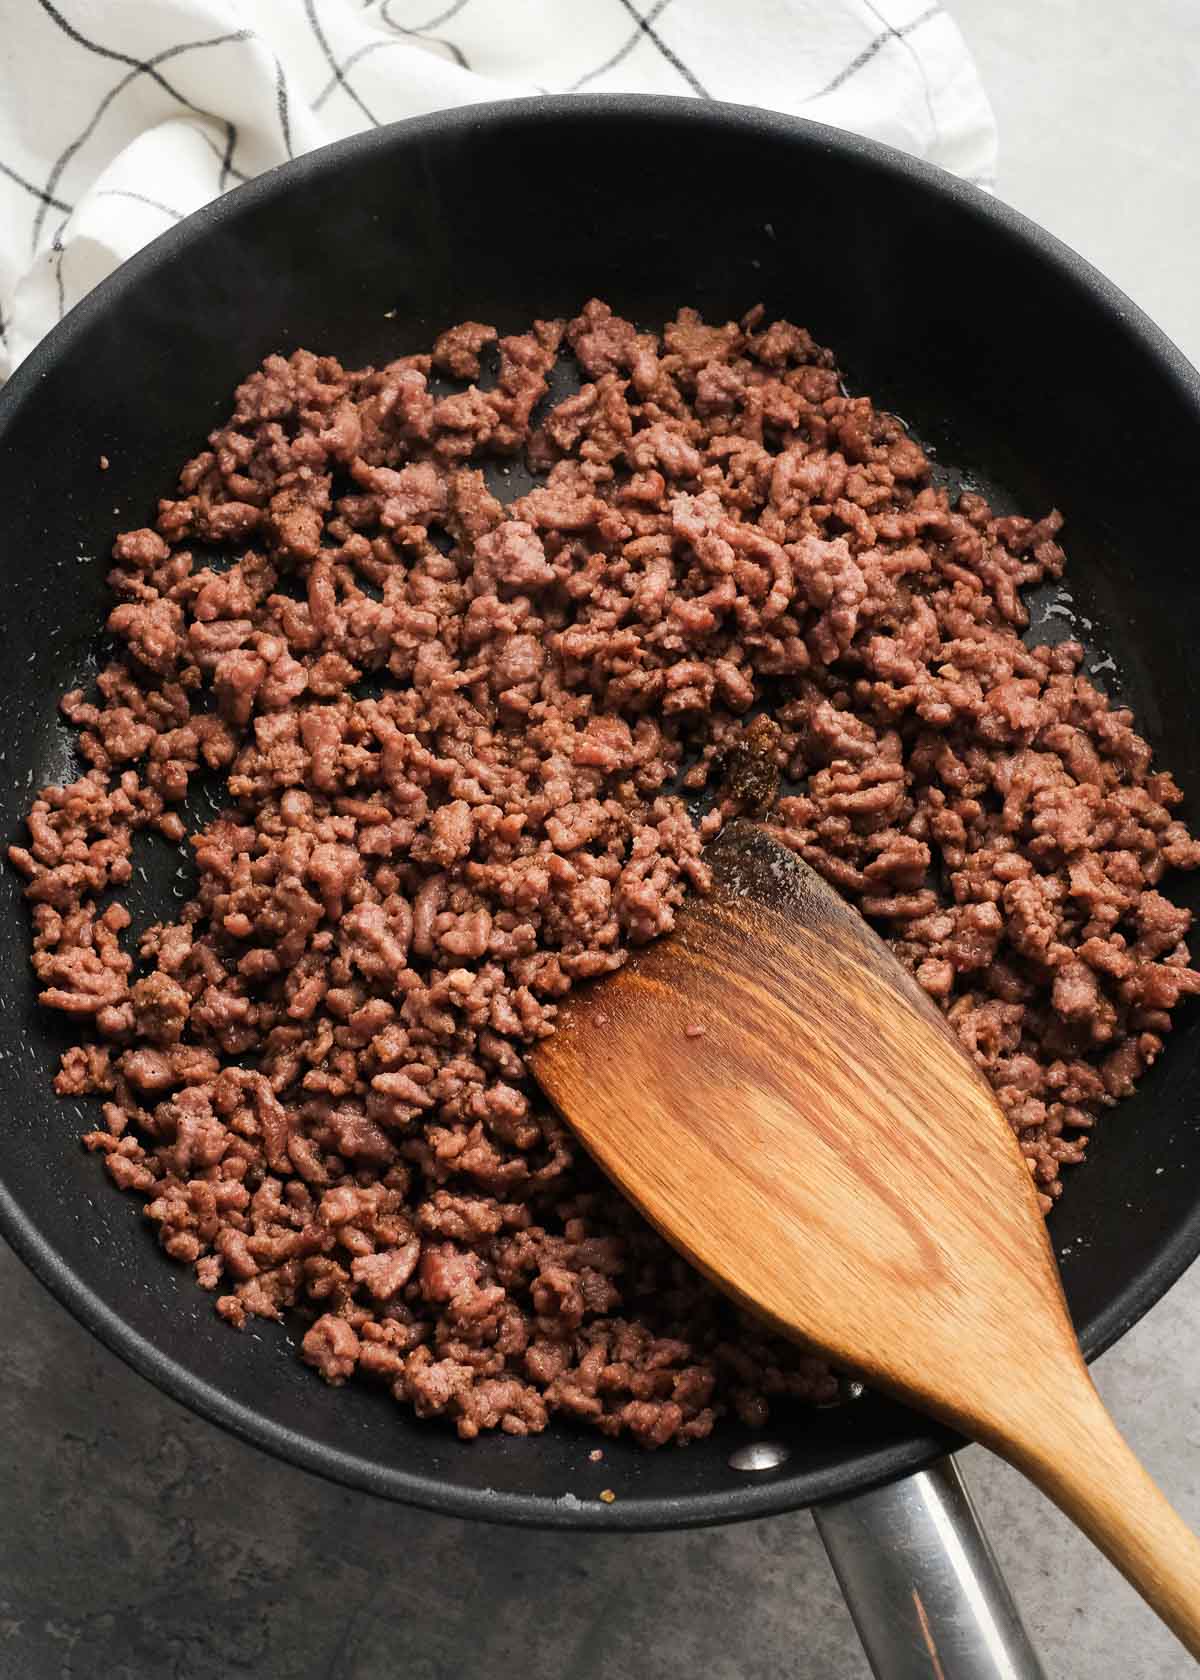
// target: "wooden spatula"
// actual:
[[785, 1104]]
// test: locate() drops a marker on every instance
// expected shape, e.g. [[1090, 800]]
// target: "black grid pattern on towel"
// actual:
[[645, 26], [424, 31], [139, 67]]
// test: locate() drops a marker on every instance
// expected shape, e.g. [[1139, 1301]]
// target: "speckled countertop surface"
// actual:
[[136, 1541]]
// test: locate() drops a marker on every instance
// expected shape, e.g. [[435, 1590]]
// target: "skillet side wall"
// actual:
[[1005, 353]]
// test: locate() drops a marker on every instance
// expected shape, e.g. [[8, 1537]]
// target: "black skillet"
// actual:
[[1009, 356]]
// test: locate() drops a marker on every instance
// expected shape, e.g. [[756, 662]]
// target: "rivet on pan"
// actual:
[[758, 1455]]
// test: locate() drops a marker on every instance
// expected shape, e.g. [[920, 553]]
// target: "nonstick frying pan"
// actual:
[[1022, 369]]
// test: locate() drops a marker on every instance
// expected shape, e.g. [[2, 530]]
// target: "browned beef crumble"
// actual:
[[314, 1077]]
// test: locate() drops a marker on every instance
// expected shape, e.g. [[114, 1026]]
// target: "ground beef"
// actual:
[[469, 753]]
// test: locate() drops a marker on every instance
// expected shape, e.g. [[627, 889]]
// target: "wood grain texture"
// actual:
[[826, 1152]]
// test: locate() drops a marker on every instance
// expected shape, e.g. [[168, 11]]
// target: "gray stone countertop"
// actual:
[[137, 1541]]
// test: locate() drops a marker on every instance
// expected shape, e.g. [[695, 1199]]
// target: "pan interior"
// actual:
[[1026, 375]]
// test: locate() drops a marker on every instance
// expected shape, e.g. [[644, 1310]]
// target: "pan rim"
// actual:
[[787, 1491]]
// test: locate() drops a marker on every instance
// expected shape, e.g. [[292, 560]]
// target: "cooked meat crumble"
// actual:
[[463, 747]]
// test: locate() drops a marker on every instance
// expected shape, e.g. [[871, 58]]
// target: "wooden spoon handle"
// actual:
[[1080, 1459]]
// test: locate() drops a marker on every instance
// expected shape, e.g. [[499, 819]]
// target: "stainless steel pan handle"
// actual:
[[923, 1584]]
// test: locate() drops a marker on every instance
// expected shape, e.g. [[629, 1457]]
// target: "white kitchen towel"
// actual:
[[120, 117]]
